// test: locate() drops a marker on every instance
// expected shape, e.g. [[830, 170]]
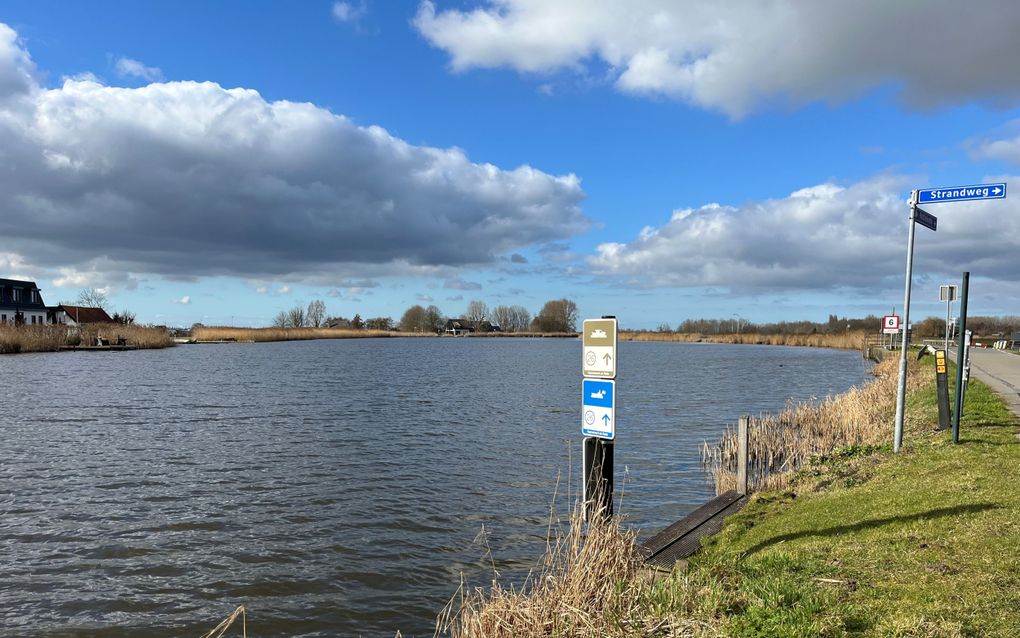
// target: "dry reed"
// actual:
[[590, 583], [220, 629], [133, 335], [37, 338], [847, 340], [226, 333], [779, 444]]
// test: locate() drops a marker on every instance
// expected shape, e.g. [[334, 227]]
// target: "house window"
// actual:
[[35, 296], [16, 294], [3, 318], [33, 320]]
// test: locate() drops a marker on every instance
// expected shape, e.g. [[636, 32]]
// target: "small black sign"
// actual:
[[925, 218]]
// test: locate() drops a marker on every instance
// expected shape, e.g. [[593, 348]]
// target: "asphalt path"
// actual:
[[1001, 371]]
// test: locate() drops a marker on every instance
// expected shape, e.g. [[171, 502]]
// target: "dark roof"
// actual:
[[7, 287], [81, 314]]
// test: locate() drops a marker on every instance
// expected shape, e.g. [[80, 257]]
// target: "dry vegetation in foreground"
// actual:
[[588, 585], [847, 341], [50, 338], [225, 333], [782, 443]]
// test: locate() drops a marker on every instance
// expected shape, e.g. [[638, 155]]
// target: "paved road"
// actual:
[[1001, 371]]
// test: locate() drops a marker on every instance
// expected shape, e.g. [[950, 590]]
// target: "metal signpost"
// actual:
[[599, 342], [947, 293], [960, 355], [931, 196]]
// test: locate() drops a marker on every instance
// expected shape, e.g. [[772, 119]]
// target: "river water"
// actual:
[[334, 488]]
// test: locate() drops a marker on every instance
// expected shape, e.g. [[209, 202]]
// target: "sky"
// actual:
[[657, 160]]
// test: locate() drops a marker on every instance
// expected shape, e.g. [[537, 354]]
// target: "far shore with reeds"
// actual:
[[251, 335], [51, 338], [853, 340]]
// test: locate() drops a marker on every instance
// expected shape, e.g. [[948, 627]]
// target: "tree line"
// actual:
[[557, 315]]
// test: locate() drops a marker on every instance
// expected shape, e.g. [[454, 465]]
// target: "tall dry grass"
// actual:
[[38, 338], [779, 444], [226, 333], [846, 340], [589, 584], [146, 337]]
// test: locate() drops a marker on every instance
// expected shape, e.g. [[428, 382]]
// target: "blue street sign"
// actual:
[[598, 408], [962, 193]]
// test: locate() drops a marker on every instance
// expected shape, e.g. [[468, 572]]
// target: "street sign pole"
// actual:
[[902, 388], [961, 330], [599, 342]]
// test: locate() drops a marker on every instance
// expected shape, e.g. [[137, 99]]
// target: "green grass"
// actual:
[[868, 543]]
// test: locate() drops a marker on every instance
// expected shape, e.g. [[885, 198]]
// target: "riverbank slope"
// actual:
[[861, 542]]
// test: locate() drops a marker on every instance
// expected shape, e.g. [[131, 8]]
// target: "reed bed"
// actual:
[[780, 444], [146, 337], [843, 340], [226, 333], [38, 338], [589, 584]]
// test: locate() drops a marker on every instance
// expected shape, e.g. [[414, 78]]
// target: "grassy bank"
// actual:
[[845, 340], [858, 542], [49, 338]]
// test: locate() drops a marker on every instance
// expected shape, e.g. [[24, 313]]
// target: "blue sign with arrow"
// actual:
[[962, 193], [598, 408]]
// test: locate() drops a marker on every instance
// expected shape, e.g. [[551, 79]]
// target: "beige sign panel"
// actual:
[[599, 348]]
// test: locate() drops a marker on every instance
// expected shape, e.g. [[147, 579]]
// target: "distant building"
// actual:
[[465, 326], [21, 303], [77, 315]]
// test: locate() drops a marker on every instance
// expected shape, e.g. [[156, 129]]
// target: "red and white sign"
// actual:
[[890, 324]]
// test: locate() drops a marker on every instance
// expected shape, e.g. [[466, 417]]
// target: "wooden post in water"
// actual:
[[742, 446]]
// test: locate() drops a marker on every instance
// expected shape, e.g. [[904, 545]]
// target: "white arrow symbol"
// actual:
[[996, 190]]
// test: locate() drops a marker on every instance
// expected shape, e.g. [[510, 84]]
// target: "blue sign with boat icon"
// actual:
[[598, 408]]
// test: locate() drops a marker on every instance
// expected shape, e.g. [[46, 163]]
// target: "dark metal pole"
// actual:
[[961, 330]]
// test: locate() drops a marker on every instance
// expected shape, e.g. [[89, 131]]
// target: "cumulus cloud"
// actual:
[[734, 56], [184, 301], [825, 237], [128, 68], [425, 298], [190, 179], [458, 283], [1007, 150]]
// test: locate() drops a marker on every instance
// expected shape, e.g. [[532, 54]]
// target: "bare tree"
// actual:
[[92, 298], [280, 320], [520, 318], [316, 314], [476, 311], [434, 318], [379, 323], [296, 317], [502, 316]]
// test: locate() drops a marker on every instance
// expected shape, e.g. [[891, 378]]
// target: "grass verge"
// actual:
[[860, 542]]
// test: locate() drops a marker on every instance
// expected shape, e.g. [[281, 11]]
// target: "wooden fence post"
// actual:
[[742, 427]]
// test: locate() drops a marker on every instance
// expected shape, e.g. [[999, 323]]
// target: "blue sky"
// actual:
[[220, 162]]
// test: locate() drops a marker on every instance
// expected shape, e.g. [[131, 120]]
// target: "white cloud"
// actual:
[[825, 237], [283, 290], [458, 283], [189, 179], [348, 11], [735, 56], [184, 301], [425, 298], [128, 68], [1007, 150]]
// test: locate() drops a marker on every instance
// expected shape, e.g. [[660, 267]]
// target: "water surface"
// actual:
[[334, 487]]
